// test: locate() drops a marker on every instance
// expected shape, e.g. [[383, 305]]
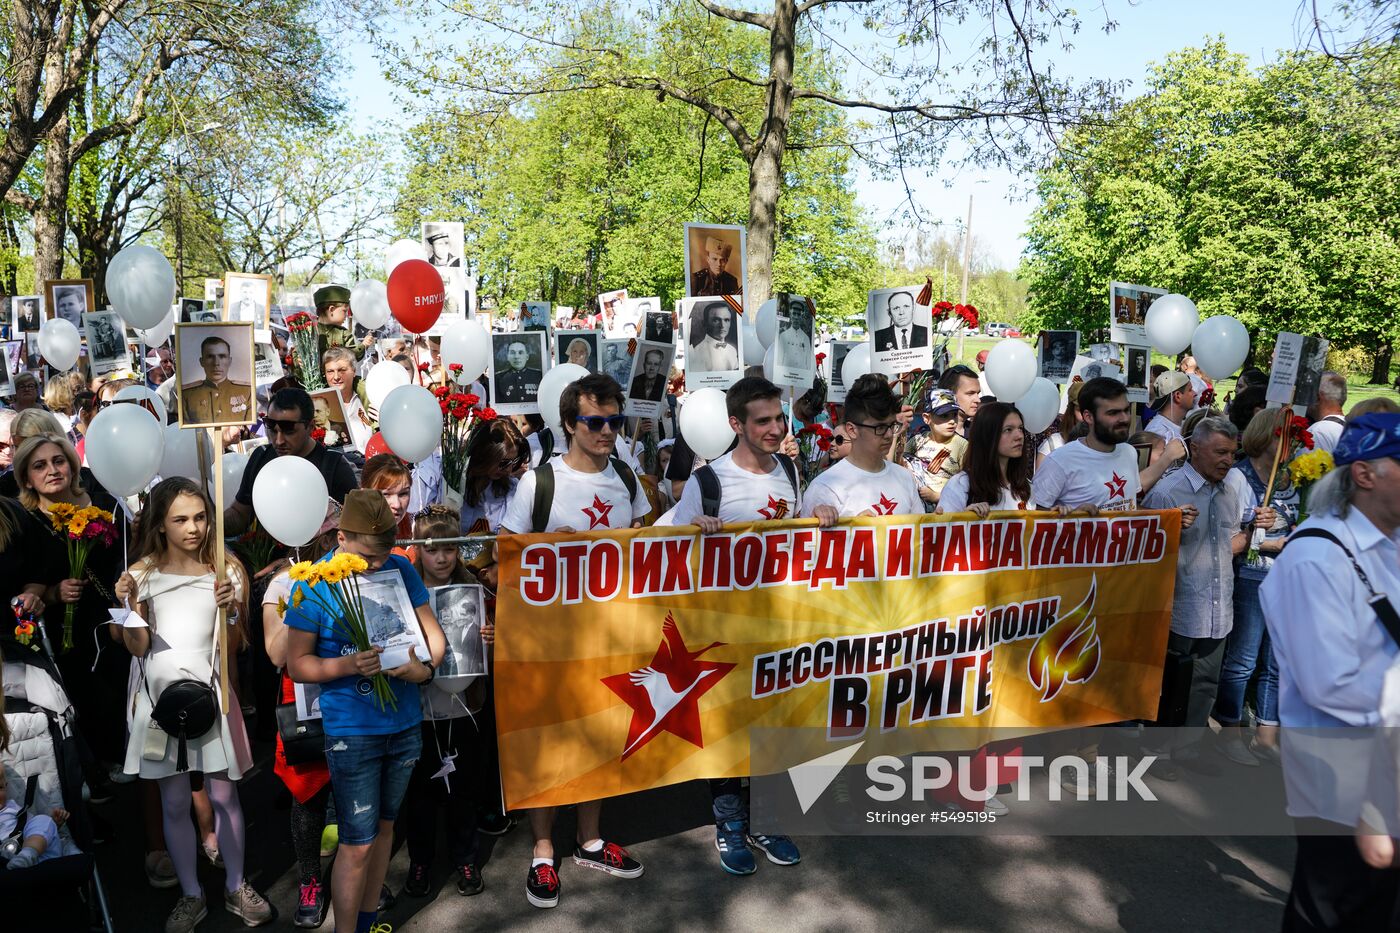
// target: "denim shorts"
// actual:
[[369, 775]]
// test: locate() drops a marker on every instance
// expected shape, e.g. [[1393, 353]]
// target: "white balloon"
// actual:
[[289, 499], [767, 322], [1220, 345], [855, 365], [383, 378], [144, 396], [399, 250], [1171, 320], [140, 285], [770, 358], [369, 303], [553, 385], [411, 421], [181, 457], [1011, 369], [160, 332], [1040, 406], [753, 348], [59, 343], [467, 342], [124, 448], [234, 465], [705, 423]]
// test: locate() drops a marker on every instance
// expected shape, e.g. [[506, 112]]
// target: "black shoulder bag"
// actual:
[[186, 709], [303, 740]]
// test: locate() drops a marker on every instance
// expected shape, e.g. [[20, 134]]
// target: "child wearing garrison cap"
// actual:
[[332, 310]]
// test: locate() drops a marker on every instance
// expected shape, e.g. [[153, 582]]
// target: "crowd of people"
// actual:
[[952, 449]]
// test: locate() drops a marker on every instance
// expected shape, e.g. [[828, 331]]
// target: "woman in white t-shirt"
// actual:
[[497, 451], [996, 474]]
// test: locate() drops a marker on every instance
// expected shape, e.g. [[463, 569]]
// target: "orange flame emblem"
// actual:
[[1068, 651]]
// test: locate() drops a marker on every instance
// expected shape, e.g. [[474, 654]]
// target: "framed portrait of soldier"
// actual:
[[534, 315], [901, 330], [443, 242], [328, 415], [27, 313], [645, 389], [579, 347], [215, 369], [106, 341], [614, 313], [617, 361], [518, 363], [459, 609], [1127, 309], [247, 298], [714, 260], [794, 360], [69, 299], [1058, 348], [1137, 362], [714, 352]]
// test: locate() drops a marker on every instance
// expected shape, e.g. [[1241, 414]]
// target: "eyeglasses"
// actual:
[[595, 423], [881, 430], [282, 427], [837, 440]]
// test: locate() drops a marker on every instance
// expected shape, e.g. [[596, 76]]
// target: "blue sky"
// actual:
[[1147, 30]]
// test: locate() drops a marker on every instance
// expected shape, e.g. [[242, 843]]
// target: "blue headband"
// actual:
[[1372, 436]]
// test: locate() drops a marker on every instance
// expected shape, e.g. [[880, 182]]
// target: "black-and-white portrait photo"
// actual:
[[28, 313], [534, 315], [518, 362], [1103, 352], [213, 292], [713, 354], [442, 241], [579, 347], [614, 314], [900, 328], [14, 353], [795, 360], [714, 260], [192, 311], [659, 327], [1058, 348], [106, 340], [390, 620], [33, 359], [247, 298], [7, 375], [651, 366], [459, 610], [617, 362], [1136, 364], [1085, 368], [70, 300], [7, 319]]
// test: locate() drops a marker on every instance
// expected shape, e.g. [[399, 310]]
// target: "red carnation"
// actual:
[[423, 367], [821, 358], [487, 414], [471, 399], [454, 367], [318, 434]]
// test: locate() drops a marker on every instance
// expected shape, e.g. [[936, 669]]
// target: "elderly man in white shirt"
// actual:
[[1326, 412], [1321, 604]]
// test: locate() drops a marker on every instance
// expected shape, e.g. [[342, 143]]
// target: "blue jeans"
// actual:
[[1246, 650], [369, 774], [730, 801]]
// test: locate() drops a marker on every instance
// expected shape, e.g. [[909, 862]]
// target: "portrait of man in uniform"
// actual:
[[215, 371], [714, 260], [517, 365], [443, 243], [106, 341]]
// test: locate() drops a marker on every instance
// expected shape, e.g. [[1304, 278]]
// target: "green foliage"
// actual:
[[1271, 196]]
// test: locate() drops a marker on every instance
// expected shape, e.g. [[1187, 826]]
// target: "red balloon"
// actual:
[[415, 294], [377, 445]]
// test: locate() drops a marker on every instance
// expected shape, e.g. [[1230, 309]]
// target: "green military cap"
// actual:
[[330, 295]]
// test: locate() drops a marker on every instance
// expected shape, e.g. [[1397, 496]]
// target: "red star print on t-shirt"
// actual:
[[1117, 487], [598, 514], [777, 508], [885, 506]]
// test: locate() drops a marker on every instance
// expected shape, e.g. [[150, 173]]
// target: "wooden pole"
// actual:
[[1284, 421], [216, 441]]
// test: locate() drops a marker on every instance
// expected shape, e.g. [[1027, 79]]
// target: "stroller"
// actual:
[[43, 752]]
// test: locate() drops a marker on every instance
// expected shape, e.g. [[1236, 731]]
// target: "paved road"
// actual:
[[1008, 883]]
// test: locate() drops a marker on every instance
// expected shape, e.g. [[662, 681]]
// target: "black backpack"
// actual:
[[544, 490], [711, 493]]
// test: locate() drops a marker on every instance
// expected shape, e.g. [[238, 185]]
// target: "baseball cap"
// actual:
[[1170, 381], [366, 512], [940, 402]]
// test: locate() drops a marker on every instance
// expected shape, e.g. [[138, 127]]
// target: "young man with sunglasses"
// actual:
[[865, 482], [288, 426], [586, 489]]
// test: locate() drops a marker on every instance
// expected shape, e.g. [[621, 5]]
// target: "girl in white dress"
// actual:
[[172, 587]]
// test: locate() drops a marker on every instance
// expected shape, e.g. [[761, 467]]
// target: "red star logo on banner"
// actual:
[[777, 508], [598, 514], [665, 695], [1117, 487], [885, 506]]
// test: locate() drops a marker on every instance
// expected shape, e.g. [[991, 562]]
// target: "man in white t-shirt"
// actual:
[[1097, 473], [589, 493], [752, 482], [1326, 412], [866, 482], [552, 438], [1174, 397]]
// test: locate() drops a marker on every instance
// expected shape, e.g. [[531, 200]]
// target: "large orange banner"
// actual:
[[628, 660]]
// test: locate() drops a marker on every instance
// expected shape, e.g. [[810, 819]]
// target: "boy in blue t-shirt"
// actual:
[[370, 752]]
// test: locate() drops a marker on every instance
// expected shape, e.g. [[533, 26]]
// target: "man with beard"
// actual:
[[1097, 473]]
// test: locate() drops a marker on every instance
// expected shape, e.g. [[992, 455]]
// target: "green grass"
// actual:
[[1357, 387]]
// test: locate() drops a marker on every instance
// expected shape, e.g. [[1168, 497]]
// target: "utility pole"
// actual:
[[967, 261]]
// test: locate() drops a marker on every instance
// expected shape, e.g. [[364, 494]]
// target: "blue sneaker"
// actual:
[[779, 849], [734, 854]]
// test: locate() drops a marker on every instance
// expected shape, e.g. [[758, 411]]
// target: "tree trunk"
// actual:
[[51, 215], [1380, 368], [766, 160]]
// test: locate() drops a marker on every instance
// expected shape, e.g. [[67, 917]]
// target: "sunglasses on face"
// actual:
[[837, 440], [282, 427], [595, 423], [881, 430]]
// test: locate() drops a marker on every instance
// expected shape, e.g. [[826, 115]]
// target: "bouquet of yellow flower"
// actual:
[[1306, 470], [340, 598], [80, 528]]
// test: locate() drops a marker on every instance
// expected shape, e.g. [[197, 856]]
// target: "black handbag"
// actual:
[[303, 740], [186, 710]]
